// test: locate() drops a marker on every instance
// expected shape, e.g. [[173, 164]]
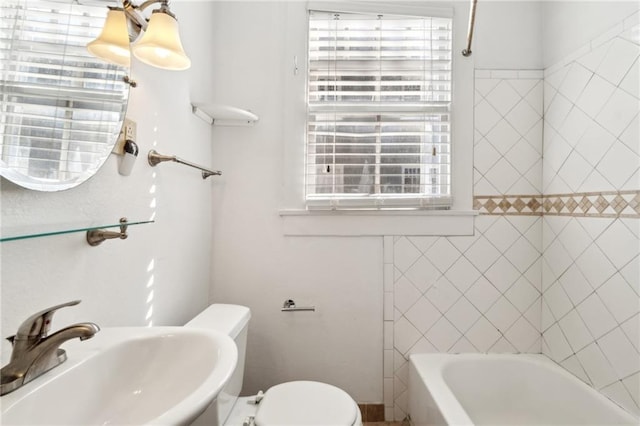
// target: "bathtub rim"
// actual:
[[430, 368]]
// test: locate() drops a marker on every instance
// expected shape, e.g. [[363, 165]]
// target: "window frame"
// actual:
[[377, 201], [296, 218]]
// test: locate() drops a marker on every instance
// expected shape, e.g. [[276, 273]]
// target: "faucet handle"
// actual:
[[39, 324]]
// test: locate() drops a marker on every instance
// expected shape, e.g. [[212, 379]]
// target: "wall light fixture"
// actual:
[[159, 45]]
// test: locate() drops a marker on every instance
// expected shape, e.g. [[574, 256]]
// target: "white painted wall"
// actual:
[[253, 263], [569, 25], [161, 273], [507, 35]]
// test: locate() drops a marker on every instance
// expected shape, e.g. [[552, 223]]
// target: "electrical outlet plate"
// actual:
[[128, 132]]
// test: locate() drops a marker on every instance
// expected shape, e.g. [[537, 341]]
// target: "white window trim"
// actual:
[[352, 223], [296, 218], [392, 8]]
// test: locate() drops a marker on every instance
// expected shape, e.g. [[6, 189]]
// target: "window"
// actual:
[[379, 111]]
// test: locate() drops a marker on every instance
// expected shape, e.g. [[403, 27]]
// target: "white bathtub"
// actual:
[[477, 389]]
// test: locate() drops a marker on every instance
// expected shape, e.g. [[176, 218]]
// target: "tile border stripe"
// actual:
[[610, 204], [527, 205]]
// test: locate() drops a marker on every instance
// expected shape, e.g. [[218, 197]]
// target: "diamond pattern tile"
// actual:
[[443, 295], [502, 274], [596, 365], [443, 254], [596, 316], [405, 335], [597, 90], [619, 58], [503, 136], [575, 330], [502, 234], [522, 294], [619, 164], [405, 254], [503, 97], [575, 285], [482, 295], [423, 315], [422, 274], [462, 274], [486, 156], [619, 244], [574, 238], [486, 117], [557, 300], [575, 126], [522, 117], [524, 336], [522, 254], [482, 254], [558, 347], [618, 297], [593, 59], [443, 335], [483, 335], [463, 314], [502, 314], [566, 284], [524, 86], [405, 294], [577, 78], [511, 144]]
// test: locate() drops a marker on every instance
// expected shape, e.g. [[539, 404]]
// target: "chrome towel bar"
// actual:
[[472, 21], [156, 158]]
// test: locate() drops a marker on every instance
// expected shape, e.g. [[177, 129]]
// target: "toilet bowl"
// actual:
[[297, 403]]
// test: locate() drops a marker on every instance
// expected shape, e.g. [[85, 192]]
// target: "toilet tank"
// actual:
[[232, 320]]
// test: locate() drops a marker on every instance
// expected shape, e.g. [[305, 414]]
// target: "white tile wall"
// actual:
[[591, 295], [591, 103], [508, 124], [579, 301], [480, 293], [465, 294]]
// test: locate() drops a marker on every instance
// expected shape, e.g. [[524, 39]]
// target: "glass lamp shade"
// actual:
[[160, 45], [112, 44]]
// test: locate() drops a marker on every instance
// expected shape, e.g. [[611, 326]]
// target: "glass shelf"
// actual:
[[37, 231], [223, 115]]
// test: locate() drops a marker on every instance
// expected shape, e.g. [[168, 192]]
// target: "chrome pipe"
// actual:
[[472, 21], [154, 158]]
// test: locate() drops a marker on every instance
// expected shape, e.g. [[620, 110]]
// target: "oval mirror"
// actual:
[[62, 108]]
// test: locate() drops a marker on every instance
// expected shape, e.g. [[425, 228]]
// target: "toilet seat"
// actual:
[[305, 403]]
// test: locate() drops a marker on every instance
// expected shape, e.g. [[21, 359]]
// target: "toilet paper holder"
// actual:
[[289, 305]]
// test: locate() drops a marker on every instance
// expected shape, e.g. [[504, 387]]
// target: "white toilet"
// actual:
[[299, 403]]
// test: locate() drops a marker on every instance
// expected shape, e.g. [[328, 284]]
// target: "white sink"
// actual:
[[128, 376]]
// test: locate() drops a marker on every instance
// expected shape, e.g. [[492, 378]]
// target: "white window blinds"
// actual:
[[379, 101], [61, 107]]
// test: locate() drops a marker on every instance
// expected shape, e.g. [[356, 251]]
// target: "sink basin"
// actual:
[[128, 376]]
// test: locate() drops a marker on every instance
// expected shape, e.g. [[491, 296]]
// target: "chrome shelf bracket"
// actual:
[[97, 236]]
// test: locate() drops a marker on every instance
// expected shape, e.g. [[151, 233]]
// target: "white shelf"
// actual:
[[223, 115]]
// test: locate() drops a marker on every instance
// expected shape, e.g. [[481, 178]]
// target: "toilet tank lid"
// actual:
[[227, 319]]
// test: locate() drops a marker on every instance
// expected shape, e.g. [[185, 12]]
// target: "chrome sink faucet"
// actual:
[[35, 351]]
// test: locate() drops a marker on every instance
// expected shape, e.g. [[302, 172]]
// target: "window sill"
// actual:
[[376, 223]]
